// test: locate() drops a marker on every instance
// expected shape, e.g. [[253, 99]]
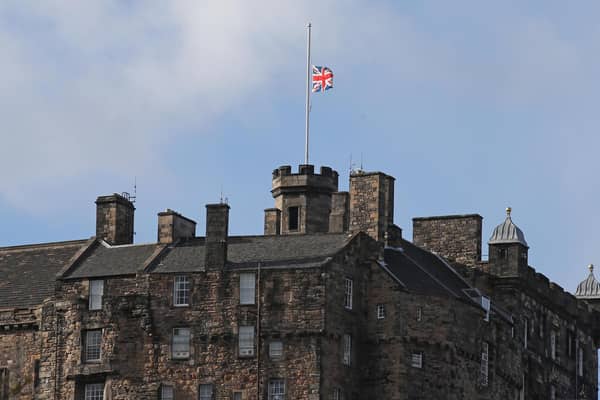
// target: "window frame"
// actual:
[[91, 389], [347, 349], [245, 288], [88, 343], [553, 353], [185, 291], [94, 299], [280, 395], [244, 348], [176, 334], [273, 355], [484, 367], [580, 353], [416, 359], [381, 314], [164, 387], [211, 394], [348, 293]]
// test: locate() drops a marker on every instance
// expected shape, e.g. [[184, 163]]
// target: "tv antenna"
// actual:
[[128, 195]]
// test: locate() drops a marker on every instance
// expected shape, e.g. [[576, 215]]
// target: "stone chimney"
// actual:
[[371, 203], [217, 230], [173, 226], [272, 221], [114, 219], [338, 219], [454, 237]]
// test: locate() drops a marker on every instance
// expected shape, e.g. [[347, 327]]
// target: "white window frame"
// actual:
[[276, 389], [166, 392], [337, 394], [348, 293], [93, 391], [248, 288], [206, 391], [380, 311], [484, 363], [347, 349], [416, 360], [93, 346], [181, 291], [96, 293], [246, 341], [180, 343], [276, 349], [553, 344], [487, 305]]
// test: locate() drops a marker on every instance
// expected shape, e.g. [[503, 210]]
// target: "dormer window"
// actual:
[[293, 218]]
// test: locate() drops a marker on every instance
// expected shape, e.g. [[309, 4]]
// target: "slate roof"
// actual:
[[28, 273], [589, 288], [507, 232], [305, 250], [424, 272], [106, 260]]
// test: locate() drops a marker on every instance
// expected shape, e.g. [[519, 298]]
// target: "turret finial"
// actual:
[[591, 268], [508, 211]]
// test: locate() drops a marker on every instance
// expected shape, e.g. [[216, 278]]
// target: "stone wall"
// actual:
[[455, 237]]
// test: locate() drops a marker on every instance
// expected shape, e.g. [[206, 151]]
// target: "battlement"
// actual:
[[304, 180]]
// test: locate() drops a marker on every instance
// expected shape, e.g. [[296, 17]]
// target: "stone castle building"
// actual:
[[331, 303]]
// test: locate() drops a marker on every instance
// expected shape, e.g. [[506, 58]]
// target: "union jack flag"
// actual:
[[322, 78]]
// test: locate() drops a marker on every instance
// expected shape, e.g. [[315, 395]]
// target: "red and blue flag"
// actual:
[[322, 79]]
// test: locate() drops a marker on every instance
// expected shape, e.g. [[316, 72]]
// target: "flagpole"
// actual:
[[307, 94]]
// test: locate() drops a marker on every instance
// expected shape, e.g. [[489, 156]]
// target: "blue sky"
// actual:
[[471, 106]]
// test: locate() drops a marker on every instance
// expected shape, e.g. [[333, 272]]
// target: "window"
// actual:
[[92, 345], [96, 292], [416, 360], [246, 341], [276, 349], [347, 349], [293, 218], [276, 389], [181, 291], [180, 346], [485, 303], [580, 361], [166, 392], [552, 393], [501, 254], [348, 293], [205, 392], [94, 391], [484, 364], [4, 383], [380, 311], [571, 345], [419, 313], [553, 345], [36, 374], [525, 331], [247, 288], [337, 394], [237, 395]]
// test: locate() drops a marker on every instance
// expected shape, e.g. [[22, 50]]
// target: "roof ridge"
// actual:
[[34, 246]]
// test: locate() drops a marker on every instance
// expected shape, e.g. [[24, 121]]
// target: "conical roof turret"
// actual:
[[508, 232], [590, 287]]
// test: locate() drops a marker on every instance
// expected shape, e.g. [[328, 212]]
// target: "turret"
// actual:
[[302, 200], [508, 249]]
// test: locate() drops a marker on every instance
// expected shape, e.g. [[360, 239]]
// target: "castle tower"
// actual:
[[302, 200], [507, 249]]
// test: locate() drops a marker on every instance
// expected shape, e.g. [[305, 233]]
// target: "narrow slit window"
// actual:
[[293, 218], [347, 350], [348, 292], [484, 364]]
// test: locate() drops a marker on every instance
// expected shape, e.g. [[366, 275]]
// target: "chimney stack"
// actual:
[[217, 230], [372, 204], [114, 219], [173, 226]]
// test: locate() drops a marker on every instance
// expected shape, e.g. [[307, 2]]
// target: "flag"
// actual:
[[322, 79]]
